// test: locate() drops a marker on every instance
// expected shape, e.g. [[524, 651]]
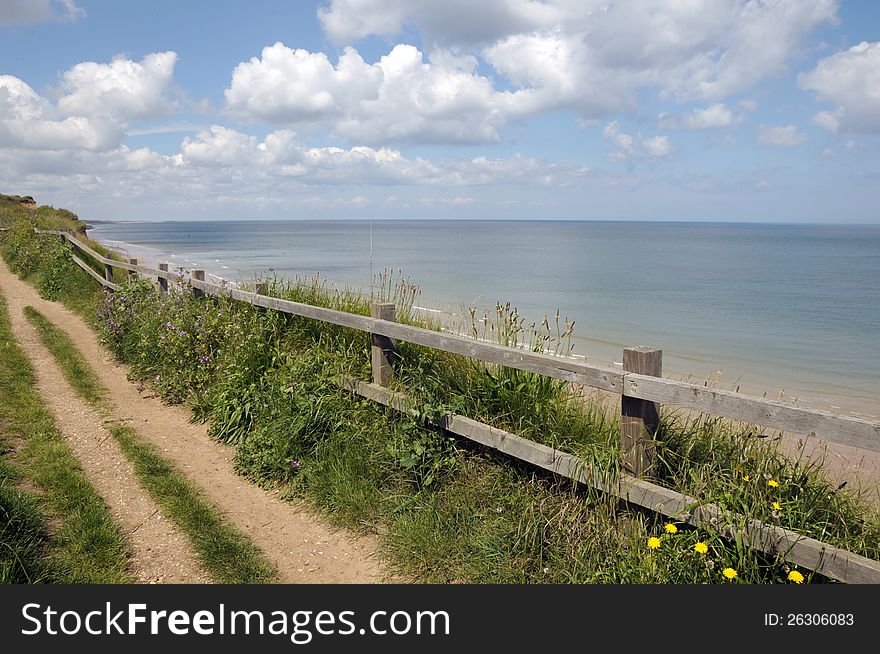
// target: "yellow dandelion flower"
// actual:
[[701, 548], [777, 506], [671, 528], [772, 483], [746, 478], [730, 573], [653, 542], [796, 577]]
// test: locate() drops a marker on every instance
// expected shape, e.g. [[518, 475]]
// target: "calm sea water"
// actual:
[[771, 308]]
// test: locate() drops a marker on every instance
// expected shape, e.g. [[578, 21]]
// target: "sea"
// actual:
[[784, 311]]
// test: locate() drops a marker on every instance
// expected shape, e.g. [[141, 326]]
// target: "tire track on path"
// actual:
[[159, 552]]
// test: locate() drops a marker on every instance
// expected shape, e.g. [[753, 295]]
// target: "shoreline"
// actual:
[[751, 379]]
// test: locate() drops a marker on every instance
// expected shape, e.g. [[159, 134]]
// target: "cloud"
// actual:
[[95, 103], [599, 53], [123, 88], [26, 12], [757, 43], [290, 86], [401, 98], [589, 57], [850, 79], [33, 146], [781, 137], [219, 146], [29, 121], [282, 157], [346, 21], [166, 128], [629, 147], [657, 146], [713, 116]]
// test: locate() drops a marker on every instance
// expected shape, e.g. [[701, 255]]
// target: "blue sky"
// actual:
[[525, 109]]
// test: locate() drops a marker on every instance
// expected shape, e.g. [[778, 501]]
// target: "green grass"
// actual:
[[45, 262], [56, 528], [44, 217], [75, 369], [227, 554]]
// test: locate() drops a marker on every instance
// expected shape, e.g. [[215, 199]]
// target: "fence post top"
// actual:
[[643, 348]]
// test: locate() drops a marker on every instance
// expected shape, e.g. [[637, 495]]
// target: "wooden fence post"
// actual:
[[260, 288], [640, 419], [200, 276], [382, 351], [163, 282], [132, 275], [108, 270]]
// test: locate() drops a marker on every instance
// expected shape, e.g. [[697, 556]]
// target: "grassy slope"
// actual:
[[61, 530]]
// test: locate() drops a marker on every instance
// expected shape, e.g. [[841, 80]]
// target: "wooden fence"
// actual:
[[640, 385]]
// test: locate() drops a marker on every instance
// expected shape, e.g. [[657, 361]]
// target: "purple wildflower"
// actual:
[[295, 464]]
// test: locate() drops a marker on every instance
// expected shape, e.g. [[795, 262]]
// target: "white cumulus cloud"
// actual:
[[590, 57], [850, 79], [95, 103], [123, 88], [401, 98], [288, 86], [700, 49], [30, 121]]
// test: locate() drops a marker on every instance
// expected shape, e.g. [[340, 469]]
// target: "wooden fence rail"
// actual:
[[642, 393], [810, 553], [848, 430]]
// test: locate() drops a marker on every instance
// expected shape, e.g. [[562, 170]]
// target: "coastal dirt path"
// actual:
[[299, 542], [159, 552]]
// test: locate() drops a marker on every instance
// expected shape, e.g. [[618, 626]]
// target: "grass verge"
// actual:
[[55, 526], [75, 369], [227, 554]]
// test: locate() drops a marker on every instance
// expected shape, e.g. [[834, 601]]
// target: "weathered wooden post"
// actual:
[[260, 288], [382, 351], [640, 419], [132, 274], [163, 281], [108, 269], [200, 276]]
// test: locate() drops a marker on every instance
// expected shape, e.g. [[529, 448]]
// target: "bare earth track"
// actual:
[[300, 544]]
